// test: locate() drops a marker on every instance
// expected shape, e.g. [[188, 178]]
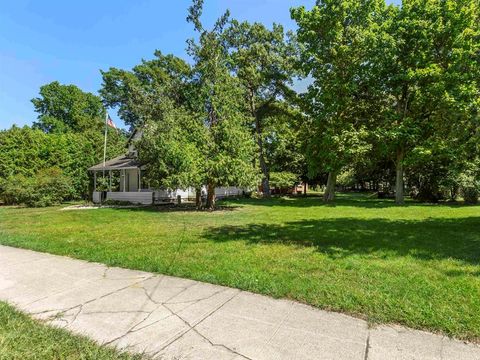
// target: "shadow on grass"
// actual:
[[174, 208], [352, 200], [377, 238]]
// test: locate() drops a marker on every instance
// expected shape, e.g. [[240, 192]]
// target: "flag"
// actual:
[[110, 122]]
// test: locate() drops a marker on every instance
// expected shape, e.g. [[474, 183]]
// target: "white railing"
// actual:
[[144, 198]]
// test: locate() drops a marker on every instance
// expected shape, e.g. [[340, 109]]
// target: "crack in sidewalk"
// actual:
[[367, 346], [194, 329]]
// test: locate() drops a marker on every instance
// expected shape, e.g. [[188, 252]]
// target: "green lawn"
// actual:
[[22, 338], [417, 265]]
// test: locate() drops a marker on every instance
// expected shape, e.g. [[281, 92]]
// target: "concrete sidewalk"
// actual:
[[172, 318]]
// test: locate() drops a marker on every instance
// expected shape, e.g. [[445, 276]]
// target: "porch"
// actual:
[[120, 179]]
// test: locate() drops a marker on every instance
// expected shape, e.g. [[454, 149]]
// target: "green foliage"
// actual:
[[227, 145], [204, 140], [172, 150], [111, 202], [346, 178], [263, 60], [335, 39], [152, 81], [394, 92], [283, 179], [196, 131], [392, 84], [65, 108], [155, 97], [433, 84], [68, 136], [283, 142], [470, 186], [26, 151], [45, 188]]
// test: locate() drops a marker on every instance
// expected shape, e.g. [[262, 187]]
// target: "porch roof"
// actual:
[[122, 162]]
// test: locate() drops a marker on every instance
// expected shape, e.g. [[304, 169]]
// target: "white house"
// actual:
[[124, 181]]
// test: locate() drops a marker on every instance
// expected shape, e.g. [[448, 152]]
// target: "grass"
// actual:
[[24, 338], [417, 265]]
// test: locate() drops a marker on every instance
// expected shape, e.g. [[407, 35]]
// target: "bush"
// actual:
[[27, 151], [469, 188], [346, 178], [283, 179], [47, 187], [470, 195], [111, 202]]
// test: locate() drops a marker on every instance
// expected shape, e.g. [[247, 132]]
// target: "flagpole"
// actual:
[[105, 143]]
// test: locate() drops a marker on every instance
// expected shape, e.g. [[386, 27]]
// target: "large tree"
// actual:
[[263, 61], [195, 131], [158, 98], [431, 70], [66, 108], [336, 38], [68, 134], [164, 77], [227, 146]]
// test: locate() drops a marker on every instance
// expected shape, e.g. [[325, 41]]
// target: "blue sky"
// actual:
[[70, 41]]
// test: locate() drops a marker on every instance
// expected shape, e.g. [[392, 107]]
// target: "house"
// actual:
[[120, 179]]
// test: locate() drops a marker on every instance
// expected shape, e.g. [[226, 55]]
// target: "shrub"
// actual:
[[346, 178], [283, 179], [469, 188], [47, 187], [111, 202], [27, 151]]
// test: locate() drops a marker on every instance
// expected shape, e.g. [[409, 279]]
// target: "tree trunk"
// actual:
[[330, 190], [262, 162], [261, 155], [210, 196], [399, 185], [198, 198]]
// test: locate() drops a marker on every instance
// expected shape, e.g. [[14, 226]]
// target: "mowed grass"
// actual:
[[417, 265], [23, 338]]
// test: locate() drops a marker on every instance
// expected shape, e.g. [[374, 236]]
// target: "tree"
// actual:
[[164, 77], [66, 108], [194, 129], [431, 69], [157, 97], [336, 38], [263, 61], [283, 145], [226, 146], [69, 136], [171, 146], [26, 152]]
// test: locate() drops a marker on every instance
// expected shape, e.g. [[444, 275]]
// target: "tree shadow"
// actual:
[[360, 200], [376, 238], [187, 207]]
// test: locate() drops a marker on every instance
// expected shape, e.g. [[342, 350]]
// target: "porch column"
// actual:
[[124, 176], [139, 179], [110, 181]]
